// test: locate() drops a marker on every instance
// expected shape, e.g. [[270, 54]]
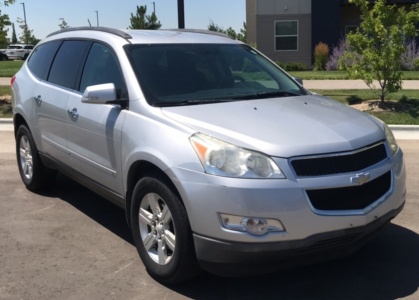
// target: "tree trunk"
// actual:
[[382, 97]]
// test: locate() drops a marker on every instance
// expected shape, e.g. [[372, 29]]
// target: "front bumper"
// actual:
[[226, 258], [205, 196]]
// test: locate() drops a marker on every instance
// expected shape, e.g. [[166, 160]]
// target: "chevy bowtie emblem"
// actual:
[[361, 178]]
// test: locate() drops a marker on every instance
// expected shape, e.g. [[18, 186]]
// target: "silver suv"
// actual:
[[221, 160]]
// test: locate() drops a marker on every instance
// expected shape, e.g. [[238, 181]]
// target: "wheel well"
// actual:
[[138, 170], [18, 120]]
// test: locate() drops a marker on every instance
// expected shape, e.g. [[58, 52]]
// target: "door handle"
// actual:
[[73, 112], [38, 99]]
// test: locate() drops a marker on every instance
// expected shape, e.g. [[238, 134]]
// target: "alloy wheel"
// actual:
[[157, 228], [26, 157]]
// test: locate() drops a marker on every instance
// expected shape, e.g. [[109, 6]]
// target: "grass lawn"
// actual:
[[10, 68], [410, 117], [341, 75]]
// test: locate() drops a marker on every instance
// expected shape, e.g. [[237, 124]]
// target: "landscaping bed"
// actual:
[[401, 108], [5, 102], [342, 75]]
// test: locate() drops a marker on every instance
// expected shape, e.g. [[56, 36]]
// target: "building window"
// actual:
[[286, 35], [350, 28]]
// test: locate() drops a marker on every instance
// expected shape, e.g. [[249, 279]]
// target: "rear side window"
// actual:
[[66, 63], [42, 57], [102, 67]]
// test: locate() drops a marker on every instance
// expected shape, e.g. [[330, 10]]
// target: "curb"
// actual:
[[404, 127], [6, 121]]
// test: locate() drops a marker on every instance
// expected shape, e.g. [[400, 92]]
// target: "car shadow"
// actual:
[[386, 268], [92, 205]]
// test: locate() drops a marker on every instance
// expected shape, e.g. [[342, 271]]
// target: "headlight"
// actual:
[[392, 144], [224, 159]]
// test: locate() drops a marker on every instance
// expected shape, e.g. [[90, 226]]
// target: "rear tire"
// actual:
[[34, 174], [163, 236]]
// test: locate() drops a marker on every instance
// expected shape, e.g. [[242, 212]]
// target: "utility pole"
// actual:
[[181, 14], [97, 18], [26, 25], [154, 7]]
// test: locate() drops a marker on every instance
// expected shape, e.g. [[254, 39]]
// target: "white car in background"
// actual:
[[19, 51]]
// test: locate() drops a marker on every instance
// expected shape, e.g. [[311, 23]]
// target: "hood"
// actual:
[[283, 127]]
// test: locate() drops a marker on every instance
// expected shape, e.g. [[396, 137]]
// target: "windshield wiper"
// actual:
[[191, 102], [262, 95]]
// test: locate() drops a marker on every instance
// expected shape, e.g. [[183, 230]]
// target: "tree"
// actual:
[[214, 27], [242, 36], [231, 32], [141, 21], [4, 21], [27, 36], [63, 24], [14, 38], [376, 47]]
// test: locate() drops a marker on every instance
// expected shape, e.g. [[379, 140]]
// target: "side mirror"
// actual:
[[102, 94], [299, 80]]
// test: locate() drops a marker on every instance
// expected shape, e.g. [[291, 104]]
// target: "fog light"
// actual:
[[254, 226]]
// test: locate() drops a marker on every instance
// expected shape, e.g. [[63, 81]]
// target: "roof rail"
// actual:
[[117, 32], [210, 32]]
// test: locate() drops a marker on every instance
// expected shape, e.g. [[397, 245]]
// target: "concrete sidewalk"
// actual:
[[351, 84], [5, 80]]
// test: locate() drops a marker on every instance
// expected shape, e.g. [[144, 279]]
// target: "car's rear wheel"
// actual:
[[34, 174], [162, 233]]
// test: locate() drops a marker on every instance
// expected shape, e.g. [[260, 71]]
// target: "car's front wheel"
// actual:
[[34, 174], [162, 233]]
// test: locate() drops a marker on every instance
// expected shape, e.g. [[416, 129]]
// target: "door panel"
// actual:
[[94, 133], [94, 141], [50, 117]]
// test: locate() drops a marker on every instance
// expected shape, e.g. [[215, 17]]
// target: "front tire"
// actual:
[[162, 233], [34, 174]]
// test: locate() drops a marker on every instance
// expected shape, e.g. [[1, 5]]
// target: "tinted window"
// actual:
[[42, 57], [175, 73], [66, 63], [102, 67], [15, 47]]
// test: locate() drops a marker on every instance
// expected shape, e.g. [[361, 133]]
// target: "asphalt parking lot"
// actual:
[[70, 243]]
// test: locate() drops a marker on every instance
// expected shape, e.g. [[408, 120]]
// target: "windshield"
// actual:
[[15, 47], [181, 74]]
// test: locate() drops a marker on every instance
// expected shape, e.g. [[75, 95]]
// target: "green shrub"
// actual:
[[280, 64], [292, 66], [321, 56]]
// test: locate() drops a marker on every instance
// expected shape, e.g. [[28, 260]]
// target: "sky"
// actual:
[[43, 16]]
